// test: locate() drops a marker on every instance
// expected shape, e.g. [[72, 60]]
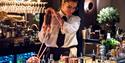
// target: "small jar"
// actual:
[[73, 60], [64, 59]]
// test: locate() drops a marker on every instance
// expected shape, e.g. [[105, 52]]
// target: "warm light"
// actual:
[[0, 31]]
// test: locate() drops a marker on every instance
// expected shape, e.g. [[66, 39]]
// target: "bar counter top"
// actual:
[[89, 60]]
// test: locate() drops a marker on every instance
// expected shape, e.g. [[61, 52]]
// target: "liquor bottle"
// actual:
[[43, 59], [80, 59], [93, 56], [108, 35], [50, 60], [102, 53]]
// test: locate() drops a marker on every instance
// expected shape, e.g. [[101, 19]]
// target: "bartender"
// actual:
[[61, 33]]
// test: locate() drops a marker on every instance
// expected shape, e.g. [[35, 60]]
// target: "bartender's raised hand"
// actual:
[[55, 14], [50, 10]]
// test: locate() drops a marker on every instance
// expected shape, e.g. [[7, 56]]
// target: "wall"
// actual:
[[102, 3], [120, 4]]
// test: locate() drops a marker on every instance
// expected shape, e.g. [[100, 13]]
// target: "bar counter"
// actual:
[[8, 46]]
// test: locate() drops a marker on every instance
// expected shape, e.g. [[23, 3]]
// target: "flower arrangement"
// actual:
[[108, 14], [110, 42]]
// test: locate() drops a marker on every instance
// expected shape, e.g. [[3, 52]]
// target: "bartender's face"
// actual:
[[69, 7]]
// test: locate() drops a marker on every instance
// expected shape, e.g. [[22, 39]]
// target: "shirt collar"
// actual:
[[62, 14]]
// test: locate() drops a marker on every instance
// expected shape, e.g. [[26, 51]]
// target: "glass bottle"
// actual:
[[80, 59], [93, 56], [50, 60], [108, 35], [43, 59]]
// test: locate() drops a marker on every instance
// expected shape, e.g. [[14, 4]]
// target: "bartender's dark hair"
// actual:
[[70, 0]]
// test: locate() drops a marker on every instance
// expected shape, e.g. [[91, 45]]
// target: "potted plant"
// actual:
[[108, 14], [110, 44], [107, 17]]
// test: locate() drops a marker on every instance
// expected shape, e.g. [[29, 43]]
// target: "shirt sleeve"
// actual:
[[73, 26], [42, 33]]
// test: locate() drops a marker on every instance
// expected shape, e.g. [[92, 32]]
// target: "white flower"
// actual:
[[107, 14]]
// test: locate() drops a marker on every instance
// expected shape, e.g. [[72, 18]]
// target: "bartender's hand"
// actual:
[[50, 10], [55, 14]]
